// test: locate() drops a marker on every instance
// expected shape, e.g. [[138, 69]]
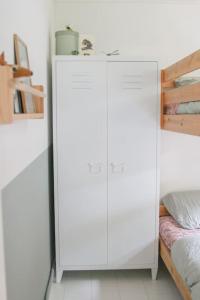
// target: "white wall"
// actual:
[[167, 30], [22, 141]]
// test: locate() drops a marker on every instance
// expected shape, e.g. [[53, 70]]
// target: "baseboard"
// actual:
[[51, 280]]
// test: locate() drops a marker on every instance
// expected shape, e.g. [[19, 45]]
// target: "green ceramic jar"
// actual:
[[67, 42]]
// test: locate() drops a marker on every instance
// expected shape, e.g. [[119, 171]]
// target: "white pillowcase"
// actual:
[[184, 207]]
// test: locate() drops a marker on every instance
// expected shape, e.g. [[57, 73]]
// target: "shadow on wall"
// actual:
[[28, 230]]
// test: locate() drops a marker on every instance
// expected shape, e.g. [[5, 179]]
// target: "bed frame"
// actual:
[[166, 257], [189, 124]]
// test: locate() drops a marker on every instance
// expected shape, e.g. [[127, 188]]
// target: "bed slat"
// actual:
[[189, 124], [182, 94], [186, 65]]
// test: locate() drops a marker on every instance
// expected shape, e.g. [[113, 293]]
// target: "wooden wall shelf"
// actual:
[[25, 116], [9, 83]]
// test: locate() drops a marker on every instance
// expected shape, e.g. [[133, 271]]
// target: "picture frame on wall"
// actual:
[[22, 59], [18, 109]]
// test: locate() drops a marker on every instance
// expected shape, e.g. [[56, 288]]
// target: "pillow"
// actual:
[[186, 81], [184, 207]]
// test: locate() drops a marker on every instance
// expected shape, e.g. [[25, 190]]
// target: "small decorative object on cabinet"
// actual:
[[21, 59], [67, 42], [86, 44], [106, 172], [10, 83]]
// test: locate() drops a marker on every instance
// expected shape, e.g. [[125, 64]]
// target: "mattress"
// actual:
[[171, 231], [186, 80], [192, 107]]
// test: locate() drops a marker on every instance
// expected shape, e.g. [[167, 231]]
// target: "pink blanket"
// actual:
[[171, 231], [171, 109]]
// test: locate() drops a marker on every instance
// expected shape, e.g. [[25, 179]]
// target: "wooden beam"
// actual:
[[22, 72], [163, 211], [167, 84], [189, 124], [2, 59], [186, 65], [162, 101], [39, 101], [6, 95], [164, 86], [20, 86], [26, 116], [182, 94]]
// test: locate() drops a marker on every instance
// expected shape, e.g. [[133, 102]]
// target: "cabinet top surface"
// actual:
[[113, 58]]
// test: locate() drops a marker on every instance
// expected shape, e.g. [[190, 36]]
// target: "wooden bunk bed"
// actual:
[[182, 123], [170, 94], [166, 257]]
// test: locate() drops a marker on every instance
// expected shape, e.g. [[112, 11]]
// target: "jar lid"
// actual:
[[68, 31]]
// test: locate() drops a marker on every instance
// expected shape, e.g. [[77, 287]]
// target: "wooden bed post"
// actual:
[[165, 85], [162, 101]]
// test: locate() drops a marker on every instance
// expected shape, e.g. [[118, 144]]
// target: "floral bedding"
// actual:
[[171, 231], [192, 107]]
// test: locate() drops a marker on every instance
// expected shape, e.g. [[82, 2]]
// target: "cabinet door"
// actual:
[[82, 162], [132, 160]]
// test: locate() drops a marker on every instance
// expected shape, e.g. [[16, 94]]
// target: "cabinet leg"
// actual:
[[154, 272], [59, 275]]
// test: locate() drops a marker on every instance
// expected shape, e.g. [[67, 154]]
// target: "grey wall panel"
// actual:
[[27, 218]]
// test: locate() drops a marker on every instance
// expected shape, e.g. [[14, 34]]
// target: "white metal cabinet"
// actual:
[[105, 161], [132, 157], [82, 163]]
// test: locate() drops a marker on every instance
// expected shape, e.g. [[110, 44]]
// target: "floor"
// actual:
[[115, 285]]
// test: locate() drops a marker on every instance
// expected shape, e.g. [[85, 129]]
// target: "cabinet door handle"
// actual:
[[117, 168], [95, 168]]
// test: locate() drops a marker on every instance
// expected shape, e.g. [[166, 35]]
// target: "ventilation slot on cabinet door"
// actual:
[[132, 82], [82, 81]]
